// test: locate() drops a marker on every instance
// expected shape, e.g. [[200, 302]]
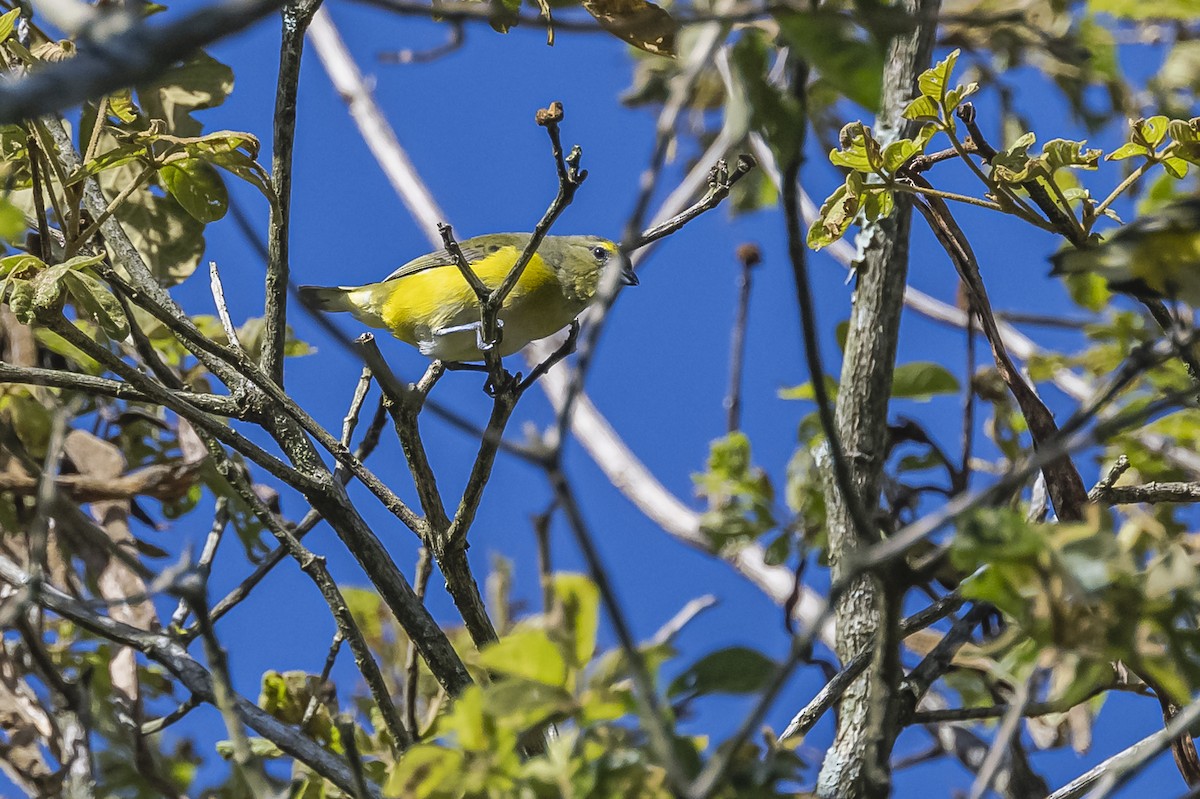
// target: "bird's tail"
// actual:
[[327, 298]]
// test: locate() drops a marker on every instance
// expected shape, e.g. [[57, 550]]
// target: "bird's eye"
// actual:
[[600, 253]]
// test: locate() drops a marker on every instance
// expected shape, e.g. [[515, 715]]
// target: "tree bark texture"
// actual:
[[857, 765]]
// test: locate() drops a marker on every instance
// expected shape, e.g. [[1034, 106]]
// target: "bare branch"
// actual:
[[163, 650], [297, 14], [374, 127], [104, 387], [832, 691], [134, 52], [218, 292]]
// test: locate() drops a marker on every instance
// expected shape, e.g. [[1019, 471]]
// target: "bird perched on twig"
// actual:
[[1156, 256], [429, 304]]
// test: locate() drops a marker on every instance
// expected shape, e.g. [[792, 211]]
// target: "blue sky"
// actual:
[[467, 123]]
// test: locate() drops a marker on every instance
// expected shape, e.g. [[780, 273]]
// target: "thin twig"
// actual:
[[748, 257], [335, 647], [412, 666], [161, 649], [296, 14], [938, 661], [865, 529], [314, 567], [157, 725], [1004, 738], [346, 728], [204, 564], [658, 722], [193, 590], [445, 538], [99, 386], [310, 520], [807, 718], [218, 293]]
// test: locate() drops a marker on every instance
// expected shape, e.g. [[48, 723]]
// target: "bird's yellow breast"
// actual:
[[416, 306]]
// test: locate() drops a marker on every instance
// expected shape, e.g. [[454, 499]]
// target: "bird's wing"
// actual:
[[473, 249]]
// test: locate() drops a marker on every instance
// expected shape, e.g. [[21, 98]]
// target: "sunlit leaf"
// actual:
[[735, 670], [197, 187], [12, 221], [922, 380], [845, 56], [836, 214], [934, 82], [8, 23], [528, 654], [94, 299], [580, 602], [805, 391], [923, 109]]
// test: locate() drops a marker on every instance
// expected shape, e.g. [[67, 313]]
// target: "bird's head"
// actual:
[[582, 261]]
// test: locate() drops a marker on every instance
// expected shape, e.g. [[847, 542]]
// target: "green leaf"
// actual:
[[877, 203], [527, 654], [1088, 290], [168, 238], [21, 265], [245, 167], [898, 152], [194, 83], [426, 770], [1178, 167], [735, 670], [12, 221], [923, 109], [48, 288], [8, 23], [57, 344], [580, 601], [837, 212], [120, 105], [1063, 153], [1153, 130], [367, 609], [94, 299], [1127, 150], [955, 96], [775, 113], [740, 495], [521, 705], [860, 150], [110, 159], [922, 380], [805, 391], [1181, 132], [847, 59], [934, 82], [20, 301], [197, 187]]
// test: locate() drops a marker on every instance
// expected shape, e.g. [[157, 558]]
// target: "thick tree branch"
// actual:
[[856, 766], [137, 51]]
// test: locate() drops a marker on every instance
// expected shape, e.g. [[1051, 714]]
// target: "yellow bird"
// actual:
[[428, 304], [1156, 256]]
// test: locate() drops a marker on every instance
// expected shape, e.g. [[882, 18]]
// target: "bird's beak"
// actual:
[[628, 278]]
